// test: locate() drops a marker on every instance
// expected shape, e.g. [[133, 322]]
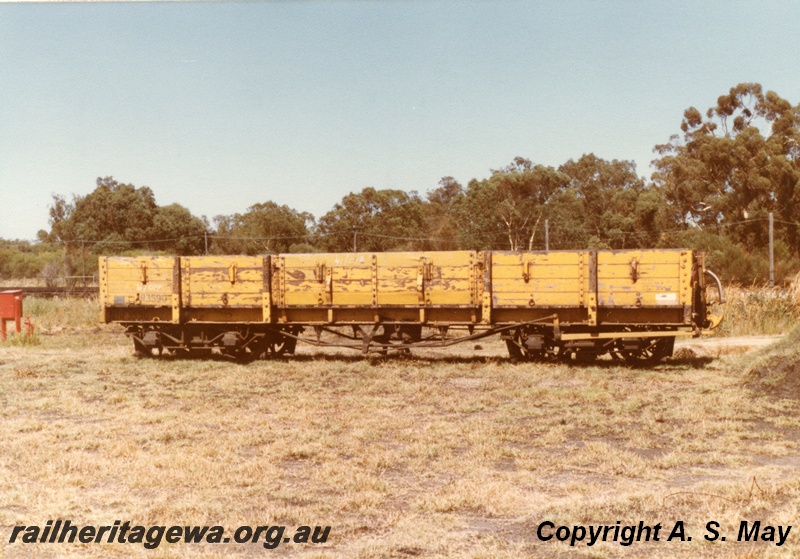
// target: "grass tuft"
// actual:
[[22, 340], [775, 370]]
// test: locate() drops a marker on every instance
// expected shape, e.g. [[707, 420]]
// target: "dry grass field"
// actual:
[[760, 309], [457, 454]]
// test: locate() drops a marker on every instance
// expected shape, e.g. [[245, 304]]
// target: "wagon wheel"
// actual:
[[265, 347], [519, 351], [141, 349], [276, 349], [514, 349], [650, 353], [642, 356], [278, 345], [655, 350]]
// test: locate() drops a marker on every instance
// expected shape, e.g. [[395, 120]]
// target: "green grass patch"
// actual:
[[22, 339], [57, 313]]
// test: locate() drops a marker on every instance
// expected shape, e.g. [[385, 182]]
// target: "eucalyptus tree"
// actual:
[[733, 164]]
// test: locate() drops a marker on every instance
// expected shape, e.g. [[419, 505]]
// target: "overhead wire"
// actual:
[[561, 232]]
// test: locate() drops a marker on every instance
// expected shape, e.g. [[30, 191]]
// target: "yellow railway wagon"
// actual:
[[545, 305]]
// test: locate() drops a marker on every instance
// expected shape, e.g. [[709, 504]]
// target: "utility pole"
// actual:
[[205, 236], [83, 263], [771, 253], [355, 238], [547, 235]]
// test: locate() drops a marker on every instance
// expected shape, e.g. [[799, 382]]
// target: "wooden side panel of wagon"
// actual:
[[427, 279], [139, 288], [441, 286], [225, 288], [644, 286], [376, 287], [530, 285], [313, 288], [317, 280]]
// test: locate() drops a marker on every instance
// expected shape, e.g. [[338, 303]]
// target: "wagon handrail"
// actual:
[[719, 285]]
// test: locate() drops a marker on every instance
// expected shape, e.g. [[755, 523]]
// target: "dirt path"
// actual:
[[721, 346]]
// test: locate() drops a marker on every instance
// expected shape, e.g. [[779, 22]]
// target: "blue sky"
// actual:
[[218, 106]]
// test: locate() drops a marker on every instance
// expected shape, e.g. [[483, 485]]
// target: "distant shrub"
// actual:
[[733, 262], [760, 310]]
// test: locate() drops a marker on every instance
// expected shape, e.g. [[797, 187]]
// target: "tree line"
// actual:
[[715, 182]]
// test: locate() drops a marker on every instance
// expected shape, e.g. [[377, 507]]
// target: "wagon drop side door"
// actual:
[[427, 279], [139, 288], [645, 286], [542, 282], [223, 281]]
